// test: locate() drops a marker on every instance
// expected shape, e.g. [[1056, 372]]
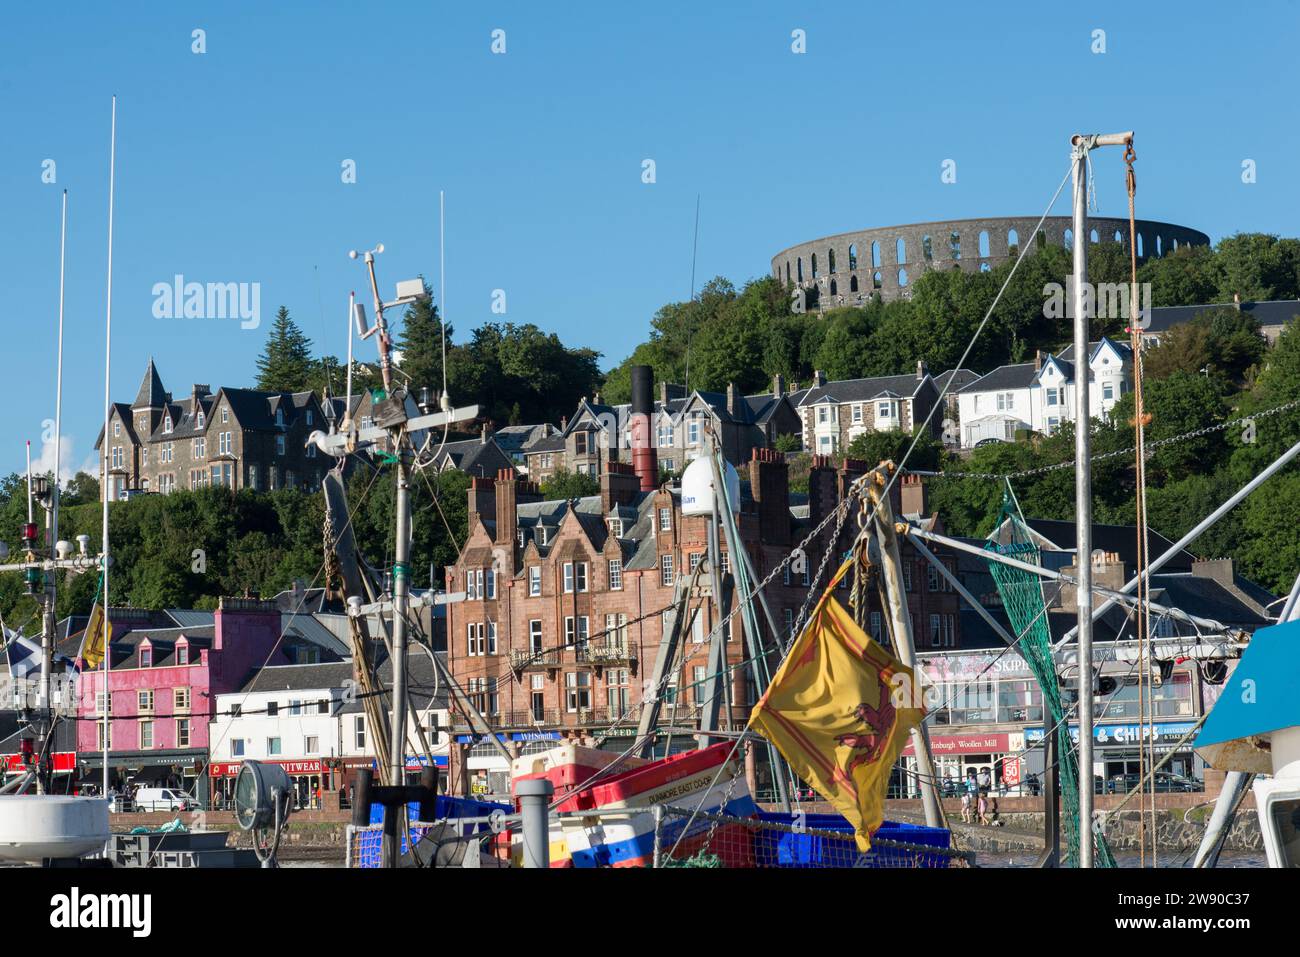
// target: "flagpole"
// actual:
[[108, 411]]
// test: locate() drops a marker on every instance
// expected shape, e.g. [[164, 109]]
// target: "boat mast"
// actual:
[[108, 413], [1081, 146]]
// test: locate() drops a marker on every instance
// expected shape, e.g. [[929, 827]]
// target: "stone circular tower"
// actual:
[[849, 268]]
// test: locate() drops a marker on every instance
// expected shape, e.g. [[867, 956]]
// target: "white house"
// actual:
[[1040, 395], [310, 720]]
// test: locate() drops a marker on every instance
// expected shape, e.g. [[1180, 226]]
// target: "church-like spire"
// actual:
[[151, 394]]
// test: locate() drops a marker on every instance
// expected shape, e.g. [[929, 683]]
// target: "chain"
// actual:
[[1132, 450]]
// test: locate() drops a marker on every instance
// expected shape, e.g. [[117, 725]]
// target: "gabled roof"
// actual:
[[151, 394], [314, 677], [518, 438], [959, 379], [1123, 348], [552, 443], [474, 457]]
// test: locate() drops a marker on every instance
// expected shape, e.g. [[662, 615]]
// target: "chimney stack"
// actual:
[[818, 379], [821, 489], [1038, 360], [619, 485], [732, 401], [663, 394], [483, 434], [913, 499], [482, 497], [769, 483], [645, 460], [1236, 301], [778, 386], [920, 369]]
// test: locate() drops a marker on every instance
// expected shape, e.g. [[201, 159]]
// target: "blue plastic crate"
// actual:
[[801, 849]]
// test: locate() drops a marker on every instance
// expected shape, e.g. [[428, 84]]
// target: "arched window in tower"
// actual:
[[787, 272], [834, 287], [830, 261], [984, 244], [1119, 236], [1041, 239], [954, 245], [902, 277], [799, 268], [876, 281], [853, 284], [1069, 239], [1140, 244], [853, 256], [1013, 242], [814, 265], [875, 255], [1093, 237], [901, 254], [1160, 245], [927, 250]]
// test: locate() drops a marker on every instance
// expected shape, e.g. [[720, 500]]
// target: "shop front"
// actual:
[[1119, 750], [179, 769], [997, 752]]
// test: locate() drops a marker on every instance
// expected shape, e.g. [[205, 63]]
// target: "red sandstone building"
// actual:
[[560, 628]]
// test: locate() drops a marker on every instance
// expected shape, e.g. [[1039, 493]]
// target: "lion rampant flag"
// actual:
[[92, 641], [831, 712]]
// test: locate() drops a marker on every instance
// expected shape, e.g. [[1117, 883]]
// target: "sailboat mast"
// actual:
[[108, 411]]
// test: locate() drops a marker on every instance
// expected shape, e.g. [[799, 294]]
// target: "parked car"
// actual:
[[162, 799], [1166, 783]]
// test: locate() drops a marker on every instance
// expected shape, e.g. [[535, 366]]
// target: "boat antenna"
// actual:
[[695, 245]]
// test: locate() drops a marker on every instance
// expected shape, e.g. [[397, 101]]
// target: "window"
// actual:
[[665, 519], [668, 464], [237, 747], [182, 732], [693, 432], [359, 732], [936, 630], [225, 414], [224, 446], [272, 708], [616, 527], [165, 452], [180, 699], [617, 691], [199, 446], [272, 745], [616, 574], [310, 417], [279, 445], [932, 577], [725, 563], [117, 456], [1053, 396], [295, 707], [577, 691], [857, 414], [146, 658], [535, 580], [144, 701], [103, 735], [580, 443], [117, 429], [182, 654], [144, 457], [475, 639], [167, 422], [695, 560], [199, 419], [491, 583], [876, 632], [279, 416], [580, 575], [789, 621], [698, 691], [538, 699], [491, 637], [535, 636], [1107, 391], [568, 577], [311, 744], [323, 706], [666, 433], [666, 570]]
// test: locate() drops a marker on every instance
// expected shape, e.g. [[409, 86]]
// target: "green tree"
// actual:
[[285, 365], [570, 485], [876, 447], [421, 343]]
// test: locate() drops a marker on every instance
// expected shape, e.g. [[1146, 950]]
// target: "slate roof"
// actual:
[[960, 378], [1275, 312], [863, 390], [474, 457], [1020, 375], [518, 438], [151, 394], [552, 443], [333, 674]]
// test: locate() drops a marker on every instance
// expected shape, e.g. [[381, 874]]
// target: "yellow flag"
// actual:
[[832, 712], [92, 641]]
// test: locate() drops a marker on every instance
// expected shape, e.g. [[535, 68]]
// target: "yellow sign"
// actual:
[[831, 712]]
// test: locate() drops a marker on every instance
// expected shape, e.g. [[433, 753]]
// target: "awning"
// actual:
[[1258, 699]]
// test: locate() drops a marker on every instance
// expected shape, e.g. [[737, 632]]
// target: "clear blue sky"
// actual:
[[229, 162]]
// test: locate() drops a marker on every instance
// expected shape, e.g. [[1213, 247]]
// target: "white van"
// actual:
[[161, 799]]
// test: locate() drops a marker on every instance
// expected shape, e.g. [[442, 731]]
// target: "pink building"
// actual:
[[163, 684]]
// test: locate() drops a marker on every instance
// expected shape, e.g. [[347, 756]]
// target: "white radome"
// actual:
[[697, 487]]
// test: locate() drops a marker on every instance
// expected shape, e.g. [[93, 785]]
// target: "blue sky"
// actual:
[[229, 162]]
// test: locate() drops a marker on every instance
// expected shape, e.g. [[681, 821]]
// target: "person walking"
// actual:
[[985, 785], [968, 796]]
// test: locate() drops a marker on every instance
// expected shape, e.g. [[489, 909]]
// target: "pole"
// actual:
[[534, 804], [1051, 806], [47, 634], [108, 410], [891, 562], [718, 674], [401, 560], [1083, 497]]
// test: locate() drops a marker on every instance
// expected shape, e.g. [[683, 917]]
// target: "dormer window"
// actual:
[[279, 416], [167, 422], [182, 654], [225, 413], [616, 527], [146, 656], [198, 419], [117, 429]]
